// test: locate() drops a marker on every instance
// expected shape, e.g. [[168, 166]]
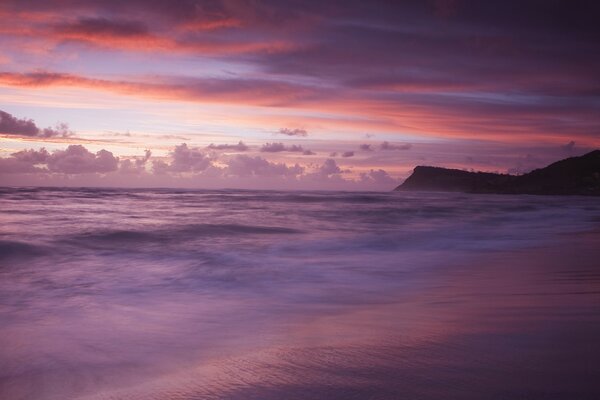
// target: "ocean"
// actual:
[[184, 294]]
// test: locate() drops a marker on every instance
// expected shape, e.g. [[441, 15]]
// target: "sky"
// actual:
[[348, 95]]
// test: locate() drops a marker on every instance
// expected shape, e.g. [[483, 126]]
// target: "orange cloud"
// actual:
[[256, 92], [452, 117]]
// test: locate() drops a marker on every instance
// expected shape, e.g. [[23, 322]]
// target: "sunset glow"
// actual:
[[443, 82], [299, 199]]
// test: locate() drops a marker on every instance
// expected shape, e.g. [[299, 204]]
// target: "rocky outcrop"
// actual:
[[571, 176]]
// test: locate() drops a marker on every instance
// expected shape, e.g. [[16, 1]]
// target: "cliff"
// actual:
[[571, 176]]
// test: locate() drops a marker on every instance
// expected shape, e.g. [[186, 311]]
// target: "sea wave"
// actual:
[[169, 234], [13, 249], [124, 294]]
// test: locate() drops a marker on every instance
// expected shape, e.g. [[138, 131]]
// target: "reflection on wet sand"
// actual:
[[511, 325]]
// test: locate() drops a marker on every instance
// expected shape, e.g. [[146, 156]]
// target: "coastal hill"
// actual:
[[571, 176]]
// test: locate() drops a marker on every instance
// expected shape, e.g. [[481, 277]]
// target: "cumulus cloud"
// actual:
[[80, 166], [273, 147], [243, 165], [160, 167], [186, 159], [279, 147], [378, 176], [329, 167], [76, 159], [240, 146], [392, 146], [135, 166], [11, 125], [32, 156], [292, 132], [60, 129], [327, 176], [347, 154], [365, 147], [23, 162]]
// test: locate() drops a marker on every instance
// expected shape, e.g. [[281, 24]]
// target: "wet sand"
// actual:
[[518, 325]]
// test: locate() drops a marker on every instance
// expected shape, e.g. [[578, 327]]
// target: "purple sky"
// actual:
[[291, 94]]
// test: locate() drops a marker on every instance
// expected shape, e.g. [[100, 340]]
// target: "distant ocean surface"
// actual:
[[177, 294]]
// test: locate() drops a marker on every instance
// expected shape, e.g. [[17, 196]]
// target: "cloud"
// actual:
[[11, 125], [12, 166], [328, 176], [240, 146], [32, 156], [390, 146], [184, 159], [24, 161], [264, 92], [569, 146], [180, 35], [104, 27], [273, 147], [379, 177], [365, 147], [185, 167], [329, 167], [135, 166], [347, 154], [292, 132], [242, 165], [60, 129], [399, 64], [76, 159], [279, 147], [160, 167]]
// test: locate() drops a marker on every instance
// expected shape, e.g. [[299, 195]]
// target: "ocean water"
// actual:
[[177, 294]]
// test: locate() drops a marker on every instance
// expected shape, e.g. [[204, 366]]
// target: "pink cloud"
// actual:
[[243, 165], [76, 159], [240, 146], [205, 90], [329, 167], [292, 132], [186, 166], [184, 159], [392, 146], [379, 176], [136, 165], [11, 125], [280, 147]]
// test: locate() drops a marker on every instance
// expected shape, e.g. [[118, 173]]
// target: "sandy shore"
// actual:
[[511, 325]]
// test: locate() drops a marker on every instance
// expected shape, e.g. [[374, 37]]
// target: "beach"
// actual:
[[165, 294]]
